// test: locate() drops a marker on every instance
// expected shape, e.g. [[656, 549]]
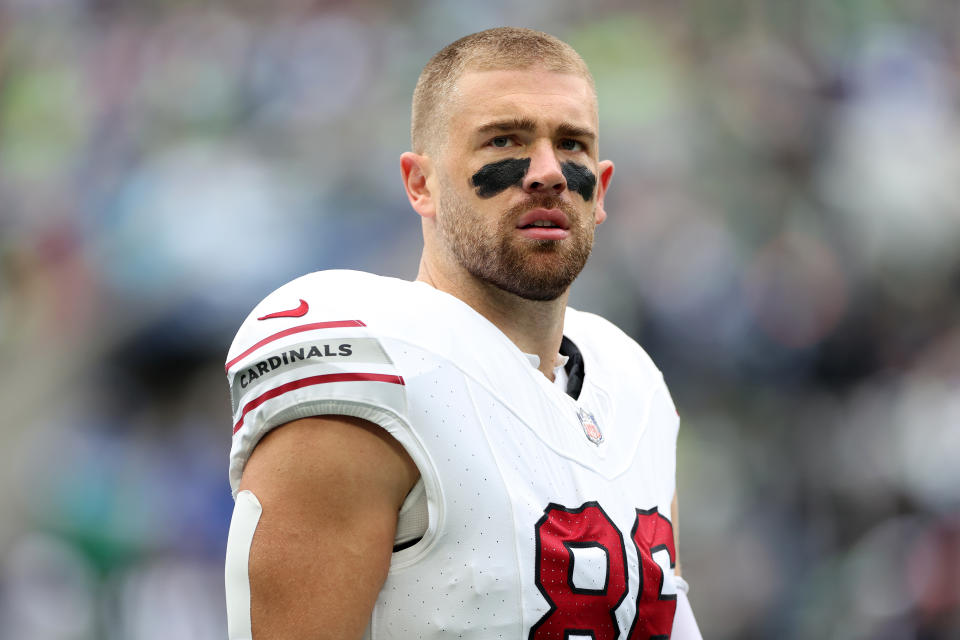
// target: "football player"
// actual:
[[462, 456]]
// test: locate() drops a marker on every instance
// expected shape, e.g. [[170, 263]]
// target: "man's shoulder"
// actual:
[[312, 347]]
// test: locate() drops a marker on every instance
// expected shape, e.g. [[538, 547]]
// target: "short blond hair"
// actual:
[[493, 49]]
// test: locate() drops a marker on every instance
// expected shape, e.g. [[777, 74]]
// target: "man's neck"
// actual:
[[535, 326]]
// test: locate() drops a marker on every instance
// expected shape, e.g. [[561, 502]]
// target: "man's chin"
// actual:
[[540, 273], [533, 284], [527, 292]]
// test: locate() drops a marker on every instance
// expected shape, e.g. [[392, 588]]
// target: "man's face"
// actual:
[[519, 180]]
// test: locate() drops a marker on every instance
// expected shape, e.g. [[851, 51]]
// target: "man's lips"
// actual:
[[558, 226], [555, 217]]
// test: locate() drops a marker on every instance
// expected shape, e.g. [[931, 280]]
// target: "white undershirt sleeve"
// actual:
[[684, 624], [246, 516]]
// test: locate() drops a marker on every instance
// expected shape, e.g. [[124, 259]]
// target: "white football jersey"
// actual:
[[548, 516]]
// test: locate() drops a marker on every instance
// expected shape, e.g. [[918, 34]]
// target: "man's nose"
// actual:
[[544, 174]]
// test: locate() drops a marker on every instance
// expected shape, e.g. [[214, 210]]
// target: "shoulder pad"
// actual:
[[307, 350]]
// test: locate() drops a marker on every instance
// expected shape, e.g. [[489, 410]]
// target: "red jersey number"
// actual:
[[580, 606]]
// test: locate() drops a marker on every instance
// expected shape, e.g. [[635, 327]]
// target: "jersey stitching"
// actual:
[[309, 382]]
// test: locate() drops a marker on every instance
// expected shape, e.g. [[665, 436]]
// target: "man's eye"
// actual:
[[501, 141], [571, 145]]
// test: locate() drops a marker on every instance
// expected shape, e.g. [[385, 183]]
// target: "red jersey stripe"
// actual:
[[292, 330], [309, 382]]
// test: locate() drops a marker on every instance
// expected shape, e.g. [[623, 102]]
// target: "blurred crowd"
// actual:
[[784, 239]]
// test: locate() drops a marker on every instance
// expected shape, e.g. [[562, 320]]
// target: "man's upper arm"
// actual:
[[330, 488]]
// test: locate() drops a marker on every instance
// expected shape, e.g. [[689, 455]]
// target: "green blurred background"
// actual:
[[784, 239]]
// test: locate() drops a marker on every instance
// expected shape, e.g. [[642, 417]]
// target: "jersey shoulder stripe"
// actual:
[[313, 326], [310, 381]]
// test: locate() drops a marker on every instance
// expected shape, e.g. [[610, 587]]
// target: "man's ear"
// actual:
[[605, 169], [415, 169]]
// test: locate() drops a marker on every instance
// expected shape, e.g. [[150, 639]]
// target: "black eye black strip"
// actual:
[[495, 177], [579, 179]]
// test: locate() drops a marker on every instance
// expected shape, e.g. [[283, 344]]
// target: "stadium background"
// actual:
[[783, 239]]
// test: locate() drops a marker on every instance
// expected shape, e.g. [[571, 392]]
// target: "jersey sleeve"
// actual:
[[307, 350]]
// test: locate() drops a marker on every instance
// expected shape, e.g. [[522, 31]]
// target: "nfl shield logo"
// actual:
[[590, 428]]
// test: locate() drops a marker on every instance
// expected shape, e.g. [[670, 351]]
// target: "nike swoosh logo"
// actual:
[[289, 313]]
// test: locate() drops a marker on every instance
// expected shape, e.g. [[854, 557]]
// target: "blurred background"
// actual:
[[784, 239]]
